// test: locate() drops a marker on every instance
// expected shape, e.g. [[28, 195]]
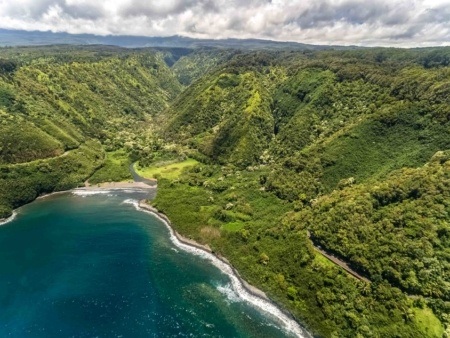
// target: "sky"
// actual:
[[397, 23]]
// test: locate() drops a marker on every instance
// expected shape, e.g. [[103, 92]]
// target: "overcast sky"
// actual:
[[377, 22]]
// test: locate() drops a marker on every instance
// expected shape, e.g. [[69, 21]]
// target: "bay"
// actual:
[[94, 266]]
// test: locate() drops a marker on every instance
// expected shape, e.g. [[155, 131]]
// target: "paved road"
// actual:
[[339, 262]]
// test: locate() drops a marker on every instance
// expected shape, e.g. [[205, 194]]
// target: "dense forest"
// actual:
[[343, 150], [61, 108]]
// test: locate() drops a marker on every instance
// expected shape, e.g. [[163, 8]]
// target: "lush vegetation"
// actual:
[[193, 66], [228, 209], [116, 168], [22, 183], [350, 147], [404, 214], [54, 102]]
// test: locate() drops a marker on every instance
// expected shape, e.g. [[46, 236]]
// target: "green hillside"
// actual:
[[56, 100], [350, 146], [265, 156]]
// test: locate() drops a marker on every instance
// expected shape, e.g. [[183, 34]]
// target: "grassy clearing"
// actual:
[[428, 322], [233, 226], [169, 171]]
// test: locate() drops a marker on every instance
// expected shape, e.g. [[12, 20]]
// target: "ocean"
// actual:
[[90, 264]]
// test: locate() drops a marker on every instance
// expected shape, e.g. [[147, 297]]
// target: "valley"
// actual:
[[255, 150]]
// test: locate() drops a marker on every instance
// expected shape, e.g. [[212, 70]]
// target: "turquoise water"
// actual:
[[93, 266]]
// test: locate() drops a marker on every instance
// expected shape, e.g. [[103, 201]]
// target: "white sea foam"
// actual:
[[86, 192], [238, 289], [109, 192], [228, 291], [9, 219], [132, 202]]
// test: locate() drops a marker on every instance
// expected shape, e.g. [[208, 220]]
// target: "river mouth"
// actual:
[[91, 265], [138, 178]]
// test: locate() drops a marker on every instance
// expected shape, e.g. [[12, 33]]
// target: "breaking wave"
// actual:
[[235, 291], [228, 291], [109, 192], [9, 219], [133, 203]]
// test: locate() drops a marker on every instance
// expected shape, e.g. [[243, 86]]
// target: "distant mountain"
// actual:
[[35, 38]]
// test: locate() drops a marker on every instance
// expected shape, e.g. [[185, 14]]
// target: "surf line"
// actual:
[[11, 218], [245, 291]]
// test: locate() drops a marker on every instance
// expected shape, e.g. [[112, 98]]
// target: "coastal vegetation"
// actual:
[[62, 108], [264, 156], [22, 183], [116, 168], [350, 146]]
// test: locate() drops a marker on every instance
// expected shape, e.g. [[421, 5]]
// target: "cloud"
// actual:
[[35, 10], [381, 22], [324, 13], [155, 9], [83, 11], [25, 9]]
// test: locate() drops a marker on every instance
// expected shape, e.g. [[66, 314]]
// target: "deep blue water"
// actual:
[[95, 267]]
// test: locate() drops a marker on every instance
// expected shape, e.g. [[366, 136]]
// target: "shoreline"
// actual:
[[243, 289], [86, 187], [9, 219], [15, 211], [252, 289], [240, 286]]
